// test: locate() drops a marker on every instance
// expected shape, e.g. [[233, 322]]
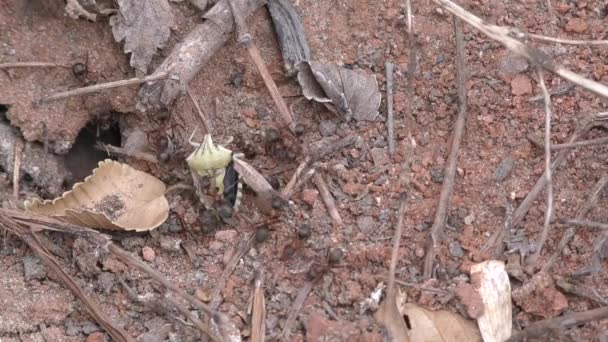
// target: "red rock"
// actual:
[[113, 265], [471, 299], [576, 25], [521, 85], [563, 8], [317, 327], [539, 296], [226, 236], [148, 253], [352, 188], [96, 337], [309, 196]]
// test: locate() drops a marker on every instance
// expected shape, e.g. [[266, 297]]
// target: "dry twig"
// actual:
[[17, 168], [197, 323], [295, 310], [111, 149], [31, 65], [558, 324], [588, 224], [590, 142], [201, 115], [546, 39], [450, 169], [258, 315], [102, 86], [390, 120], [531, 262], [328, 199], [411, 70]]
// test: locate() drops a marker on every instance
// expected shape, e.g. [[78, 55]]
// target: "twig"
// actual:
[[504, 36], [590, 142], [588, 224], [580, 215], [540, 328], [581, 291], [29, 237], [245, 38], [450, 169], [290, 187], [201, 115], [197, 323], [295, 310], [390, 287], [421, 287], [565, 89], [258, 315], [17, 168], [31, 65], [546, 39], [411, 70], [328, 199], [390, 120], [111, 149], [532, 260], [102, 86]]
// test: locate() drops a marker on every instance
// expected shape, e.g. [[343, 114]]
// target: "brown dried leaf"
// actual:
[[390, 316], [144, 26], [115, 196], [439, 326], [353, 94]]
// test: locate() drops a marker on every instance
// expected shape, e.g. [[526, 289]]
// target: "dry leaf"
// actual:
[[494, 288], [115, 196], [390, 316], [352, 94], [438, 326], [144, 26]]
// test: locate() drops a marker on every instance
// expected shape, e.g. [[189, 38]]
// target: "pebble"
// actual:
[[365, 223], [437, 175], [96, 337], [309, 196], [327, 128], [504, 169], [130, 243], [226, 236], [170, 243], [380, 156], [577, 25], [468, 220], [513, 64], [521, 85], [33, 268], [148, 253], [455, 249], [105, 282]]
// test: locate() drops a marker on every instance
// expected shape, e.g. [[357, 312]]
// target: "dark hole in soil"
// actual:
[[83, 157], [3, 110]]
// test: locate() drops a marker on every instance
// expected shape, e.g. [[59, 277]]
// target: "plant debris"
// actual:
[[438, 326], [115, 196], [290, 33], [349, 93], [144, 26]]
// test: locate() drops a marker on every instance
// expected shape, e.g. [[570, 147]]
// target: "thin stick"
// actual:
[[580, 215], [421, 287], [111, 149], [532, 260], [588, 224], [197, 323], [590, 142], [504, 36], [547, 39], [411, 70], [102, 86], [581, 291], [540, 328], [31, 65], [328, 199], [390, 120], [258, 316], [246, 39], [450, 169], [295, 310], [390, 287], [201, 115], [17, 168]]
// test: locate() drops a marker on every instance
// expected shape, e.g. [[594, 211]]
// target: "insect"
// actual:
[[214, 165]]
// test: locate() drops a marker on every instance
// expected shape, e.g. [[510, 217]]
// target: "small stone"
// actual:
[[352, 189], [96, 337], [521, 85], [33, 268], [365, 223], [437, 175], [304, 231], [89, 327], [227, 236], [148, 254], [513, 64], [422, 226], [132, 242], [381, 180], [309, 196], [504, 168], [380, 156], [170, 243], [468, 220], [327, 128], [262, 234], [455, 249], [105, 282], [576, 25]]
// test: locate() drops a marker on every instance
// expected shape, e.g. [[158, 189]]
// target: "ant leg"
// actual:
[[192, 136]]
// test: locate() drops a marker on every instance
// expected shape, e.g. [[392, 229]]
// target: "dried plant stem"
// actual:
[[111, 149], [588, 224], [201, 115], [390, 120], [532, 260], [450, 169], [390, 288], [17, 168], [31, 65], [590, 142], [537, 57], [589, 204], [197, 323], [295, 310], [540, 328], [102, 86], [411, 70], [328, 199], [546, 39], [258, 314]]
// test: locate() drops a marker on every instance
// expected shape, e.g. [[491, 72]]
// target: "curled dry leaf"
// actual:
[[390, 315], [438, 326], [352, 94], [144, 26], [115, 196], [494, 287]]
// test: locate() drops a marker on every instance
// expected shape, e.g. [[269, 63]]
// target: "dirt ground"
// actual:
[[497, 167]]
